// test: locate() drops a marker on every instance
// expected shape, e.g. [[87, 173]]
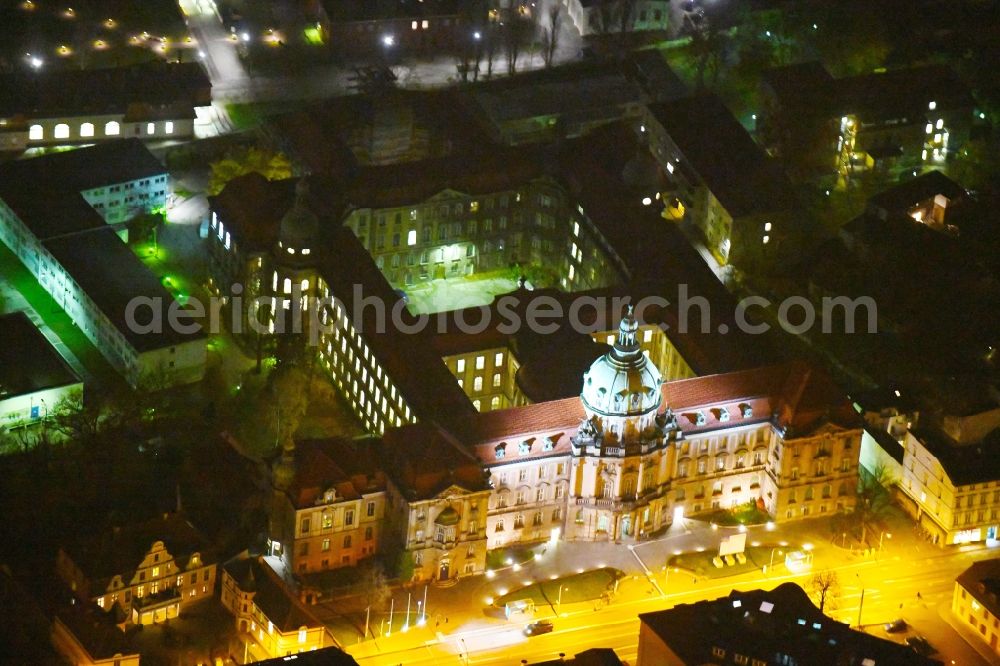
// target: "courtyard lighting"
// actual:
[[388, 40], [245, 36]]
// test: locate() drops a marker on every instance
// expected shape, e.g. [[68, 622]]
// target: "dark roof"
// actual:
[[348, 466], [28, 363], [45, 191], [95, 91], [272, 596], [409, 358], [112, 276], [86, 168], [422, 460], [650, 69], [964, 464], [96, 630], [591, 657], [760, 624], [899, 198], [736, 170], [982, 581], [366, 10], [894, 94], [121, 550], [886, 442], [325, 657]]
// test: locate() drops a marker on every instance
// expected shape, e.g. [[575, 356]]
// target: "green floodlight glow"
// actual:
[[313, 36]]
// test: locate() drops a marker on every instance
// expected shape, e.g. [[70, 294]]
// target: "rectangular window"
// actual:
[[349, 517], [371, 509]]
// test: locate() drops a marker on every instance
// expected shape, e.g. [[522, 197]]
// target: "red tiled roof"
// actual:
[[345, 465]]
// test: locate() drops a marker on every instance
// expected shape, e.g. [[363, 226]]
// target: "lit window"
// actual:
[[287, 284], [767, 239], [480, 362], [168, 127], [932, 106], [474, 206], [767, 226], [302, 635], [478, 384], [150, 128], [411, 237], [929, 128], [87, 129], [498, 359], [227, 240], [670, 167], [460, 365], [940, 123], [36, 133], [306, 251], [413, 25], [305, 284], [61, 131], [112, 128]]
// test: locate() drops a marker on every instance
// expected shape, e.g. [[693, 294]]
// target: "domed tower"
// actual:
[[295, 253], [621, 390], [299, 230]]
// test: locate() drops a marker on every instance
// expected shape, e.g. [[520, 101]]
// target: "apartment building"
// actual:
[[739, 199], [151, 570], [62, 215], [267, 613], [974, 601], [332, 511], [65, 107]]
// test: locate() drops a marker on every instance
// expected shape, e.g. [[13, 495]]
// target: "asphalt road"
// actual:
[[888, 582]]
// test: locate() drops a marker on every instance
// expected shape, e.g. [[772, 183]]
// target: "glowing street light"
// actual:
[[35, 61], [477, 35], [245, 36], [388, 40]]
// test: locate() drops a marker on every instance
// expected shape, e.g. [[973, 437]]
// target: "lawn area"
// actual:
[[701, 563], [744, 514], [447, 294], [499, 558], [17, 274], [585, 586]]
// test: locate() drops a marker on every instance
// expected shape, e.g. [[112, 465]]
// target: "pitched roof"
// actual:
[[423, 460], [348, 466], [112, 276], [28, 363], [742, 176], [761, 623], [982, 581], [964, 464], [272, 596], [324, 657], [121, 551], [95, 91], [899, 198], [82, 169]]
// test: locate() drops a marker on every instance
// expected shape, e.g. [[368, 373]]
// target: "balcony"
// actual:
[[608, 504]]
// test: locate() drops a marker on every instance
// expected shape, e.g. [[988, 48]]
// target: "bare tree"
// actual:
[[550, 33], [517, 34], [873, 500], [825, 587]]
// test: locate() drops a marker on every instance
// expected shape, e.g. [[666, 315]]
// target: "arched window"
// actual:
[[287, 284], [112, 128], [87, 129], [36, 133], [61, 131]]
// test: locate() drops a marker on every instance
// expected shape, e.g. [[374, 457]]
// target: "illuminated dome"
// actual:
[[623, 382], [299, 227]]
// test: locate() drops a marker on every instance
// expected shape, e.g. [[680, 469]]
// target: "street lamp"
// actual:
[[559, 598], [388, 40], [880, 536], [477, 35], [770, 563]]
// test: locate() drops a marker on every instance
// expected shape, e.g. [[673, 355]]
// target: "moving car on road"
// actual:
[[540, 627]]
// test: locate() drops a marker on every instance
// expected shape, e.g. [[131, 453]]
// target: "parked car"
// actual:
[[540, 627], [920, 645], [896, 626]]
